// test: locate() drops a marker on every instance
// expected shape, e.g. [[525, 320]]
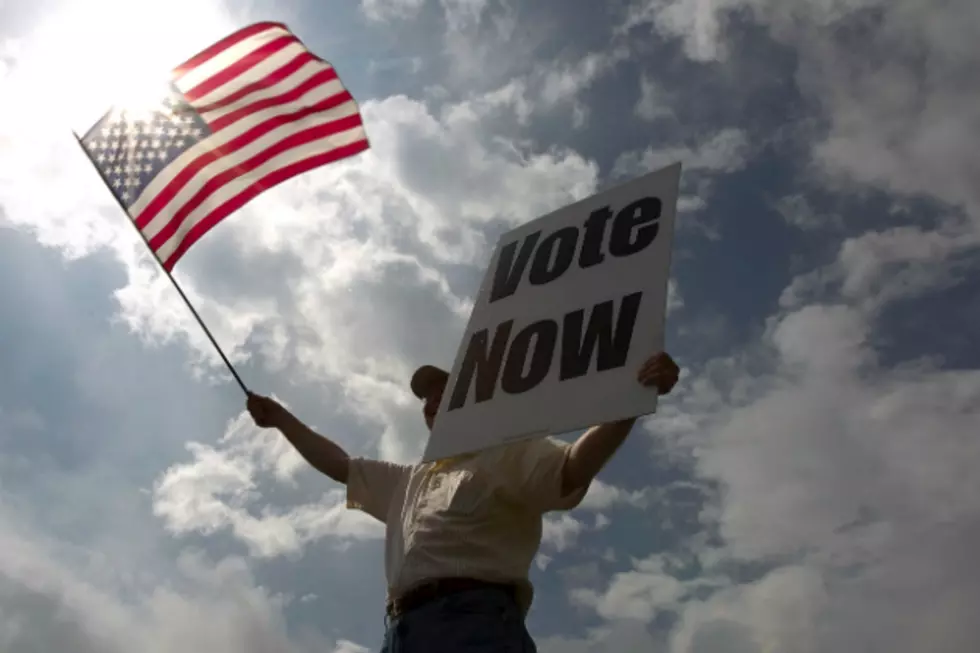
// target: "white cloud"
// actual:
[[843, 466], [653, 103], [345, 646], [797, 211], [696, 22], [898, 263], [778, 613], [724, 151], [563, 82], [461, 13], [220, 489], [388, 9], [899, 111], [601, 496], [561, 531], [55, 601], [639, 594]]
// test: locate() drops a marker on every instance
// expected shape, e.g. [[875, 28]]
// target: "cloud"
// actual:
[[832, 470], [898, 114], [52, 604], [221, 489], [602, 496], [724, 151], [653, 103], [898, 263], [389, 9], [798, 211], [698, 24], [779, 612], [561, 531]]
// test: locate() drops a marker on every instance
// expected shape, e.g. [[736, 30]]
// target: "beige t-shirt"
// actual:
[[477, 516]]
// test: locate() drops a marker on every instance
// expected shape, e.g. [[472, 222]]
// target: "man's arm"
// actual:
[[589, 454], [323, 454]]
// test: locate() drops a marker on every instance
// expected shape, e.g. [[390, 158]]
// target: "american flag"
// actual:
[[247, 113]]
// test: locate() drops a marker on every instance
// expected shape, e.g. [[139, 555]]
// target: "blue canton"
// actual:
[[130, 148]]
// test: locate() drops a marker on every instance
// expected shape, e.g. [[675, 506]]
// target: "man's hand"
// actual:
[[594, 448], [267, 412], [659, 371]]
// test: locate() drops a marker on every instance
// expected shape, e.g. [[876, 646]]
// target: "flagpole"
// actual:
[[176, 285]]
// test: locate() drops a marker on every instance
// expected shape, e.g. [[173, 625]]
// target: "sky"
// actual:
[[810, 485]]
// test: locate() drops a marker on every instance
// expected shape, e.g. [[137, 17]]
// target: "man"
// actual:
[[461, 533]]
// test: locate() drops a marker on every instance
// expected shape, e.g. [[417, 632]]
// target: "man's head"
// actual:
[[428, 384]]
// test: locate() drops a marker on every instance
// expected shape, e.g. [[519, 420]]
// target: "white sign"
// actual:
[[570, 307]]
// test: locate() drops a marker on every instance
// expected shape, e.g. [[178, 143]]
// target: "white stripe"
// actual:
[[299, 76], [234, 188], [226, 135], [216, 64], [238, 157], [258, 71]]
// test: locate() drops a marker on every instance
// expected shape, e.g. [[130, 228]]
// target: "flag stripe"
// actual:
[[237, 49], [224, 44], [242, 65], [215, 183], [284, 85], [270, 80], [318, 79], [170, 253], [330, 102], [222, 143]]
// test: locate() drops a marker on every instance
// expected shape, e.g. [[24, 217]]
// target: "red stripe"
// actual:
[[271, 79], [240, 66], [293, 94], [188, 172], [272, 179], [222, 45], [214, 183]]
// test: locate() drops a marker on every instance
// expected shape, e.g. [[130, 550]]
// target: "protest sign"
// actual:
[[570, 306]]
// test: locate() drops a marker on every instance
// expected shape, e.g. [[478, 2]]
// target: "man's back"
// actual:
[[476, 516]]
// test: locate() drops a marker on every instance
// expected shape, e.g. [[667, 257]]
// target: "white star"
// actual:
[[116, 183], [162, 155], [125, 196]]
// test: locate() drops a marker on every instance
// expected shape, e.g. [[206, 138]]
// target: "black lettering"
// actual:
[[595, 233], [545, 334], [544, 270], [626, 238], [485, 364], [508, 274], [613, 342]]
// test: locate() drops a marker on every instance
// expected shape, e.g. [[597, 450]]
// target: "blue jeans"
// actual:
[[474, 621]]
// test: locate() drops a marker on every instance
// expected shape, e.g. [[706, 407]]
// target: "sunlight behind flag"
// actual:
[[240, 117]]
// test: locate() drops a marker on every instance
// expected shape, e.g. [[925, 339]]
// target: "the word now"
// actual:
[[633, 229], [524, 367]]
